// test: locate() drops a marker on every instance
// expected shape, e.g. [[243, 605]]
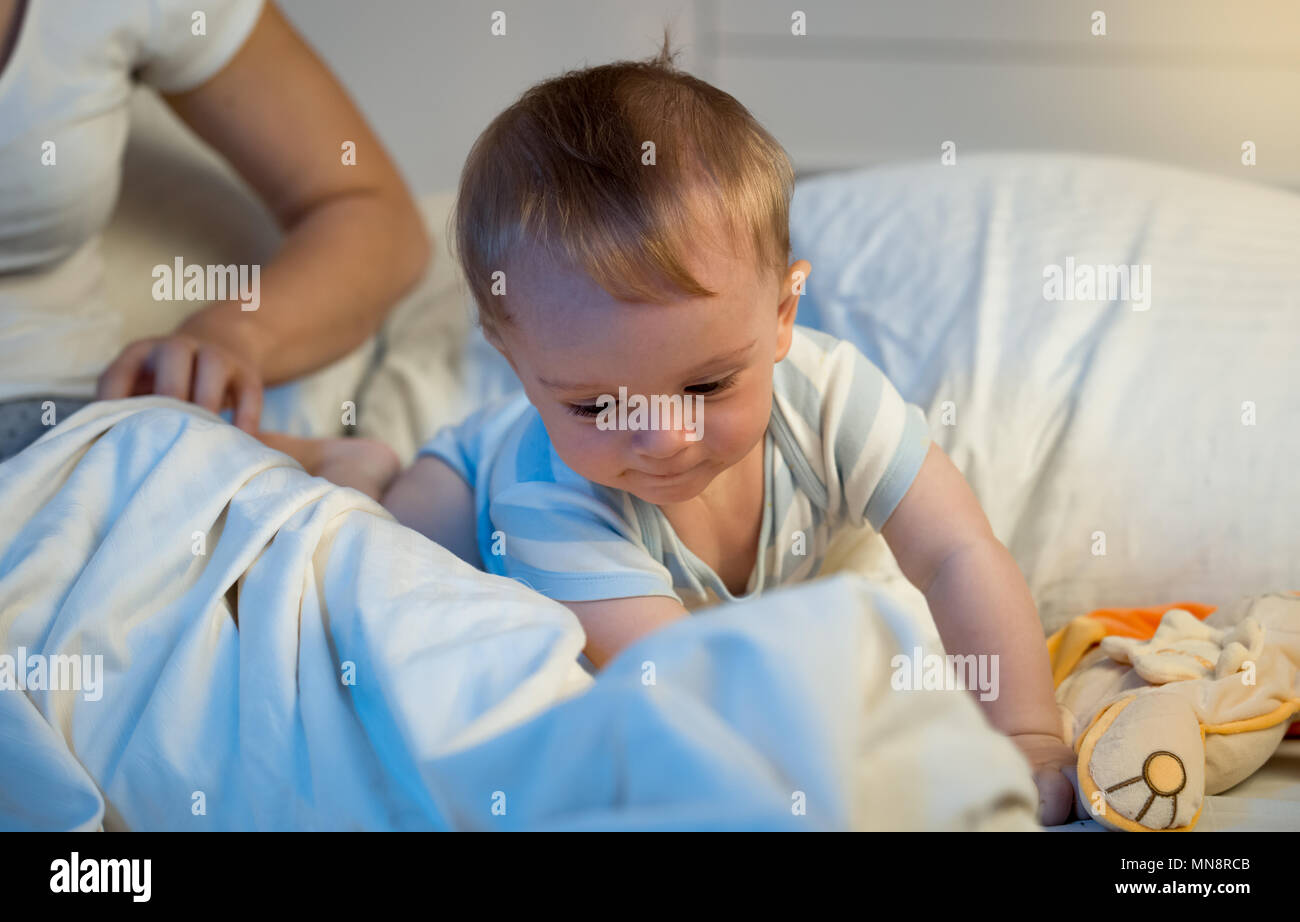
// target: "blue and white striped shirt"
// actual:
[[841, 449]]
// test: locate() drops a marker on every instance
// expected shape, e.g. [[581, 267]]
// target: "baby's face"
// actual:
[[570, 342]]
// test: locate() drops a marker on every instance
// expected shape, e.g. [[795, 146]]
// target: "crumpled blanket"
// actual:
[[374, 681]]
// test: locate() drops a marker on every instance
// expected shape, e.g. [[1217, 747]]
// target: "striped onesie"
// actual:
[[841, 449]]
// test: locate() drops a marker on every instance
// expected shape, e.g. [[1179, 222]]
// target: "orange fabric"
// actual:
[[1068, 645], [1141, 623]]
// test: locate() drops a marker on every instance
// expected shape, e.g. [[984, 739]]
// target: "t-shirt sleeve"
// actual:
[[569, 545], [448, 445], [874, 441], [173, 59]]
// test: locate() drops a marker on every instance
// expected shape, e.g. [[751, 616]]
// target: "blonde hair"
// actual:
[[562, 169]]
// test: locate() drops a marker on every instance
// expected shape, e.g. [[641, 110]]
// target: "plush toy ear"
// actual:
[[1182, 648], [1141, 765], [1244, 643]]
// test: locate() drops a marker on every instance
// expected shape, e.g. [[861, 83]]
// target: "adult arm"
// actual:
[[354, 240]]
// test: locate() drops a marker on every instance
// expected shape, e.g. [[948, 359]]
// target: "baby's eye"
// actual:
[[589, 410], [714, 386]]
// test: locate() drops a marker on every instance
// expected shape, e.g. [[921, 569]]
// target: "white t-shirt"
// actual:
[[63, 128]]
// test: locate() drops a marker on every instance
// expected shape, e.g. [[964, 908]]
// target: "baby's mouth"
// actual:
[[680, 473]]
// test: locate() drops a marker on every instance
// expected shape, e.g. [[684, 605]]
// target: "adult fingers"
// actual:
[[118, 379], [213, 377], [248, 401], [173, 363]]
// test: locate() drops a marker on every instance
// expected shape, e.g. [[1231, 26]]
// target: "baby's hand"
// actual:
[[1052, 764], [367, 465]]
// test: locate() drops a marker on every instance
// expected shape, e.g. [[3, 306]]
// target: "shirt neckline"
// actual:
[[758, 575]]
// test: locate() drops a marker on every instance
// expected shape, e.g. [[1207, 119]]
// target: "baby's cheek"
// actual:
[[592, 453], [730, 431]]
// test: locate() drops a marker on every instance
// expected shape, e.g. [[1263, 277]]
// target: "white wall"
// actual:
[[1182, 81], [429, 75]]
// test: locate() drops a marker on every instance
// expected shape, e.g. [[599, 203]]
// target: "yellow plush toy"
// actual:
[[1168, 704]]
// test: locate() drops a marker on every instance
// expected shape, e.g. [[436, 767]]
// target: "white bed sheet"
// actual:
[[465, 693]]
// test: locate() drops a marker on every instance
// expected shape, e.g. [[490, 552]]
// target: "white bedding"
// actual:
[[1083, 421], [466, 695], [1085, 418]]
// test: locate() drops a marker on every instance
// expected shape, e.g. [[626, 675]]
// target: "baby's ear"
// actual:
[[793, 286], [494, 339]]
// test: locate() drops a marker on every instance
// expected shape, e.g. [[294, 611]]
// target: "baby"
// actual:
[[624, 231]]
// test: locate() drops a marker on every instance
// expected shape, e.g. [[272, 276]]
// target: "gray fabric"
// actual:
[[24, 421]]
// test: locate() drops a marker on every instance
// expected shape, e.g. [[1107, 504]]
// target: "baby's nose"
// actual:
[[660, 444]]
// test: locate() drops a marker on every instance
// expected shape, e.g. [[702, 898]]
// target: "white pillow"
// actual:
[[1111, 448]]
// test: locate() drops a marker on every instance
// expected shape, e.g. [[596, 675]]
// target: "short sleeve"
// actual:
[[568, 544], [478, 437], [174, 59], [448, 446], [874, 441]]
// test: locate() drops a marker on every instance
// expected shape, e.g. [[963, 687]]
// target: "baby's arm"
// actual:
[[612, 624], [367, 465], [945, 546], [428, 496], [433, 499]]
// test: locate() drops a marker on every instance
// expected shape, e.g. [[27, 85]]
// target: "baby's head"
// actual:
[[627, 226]]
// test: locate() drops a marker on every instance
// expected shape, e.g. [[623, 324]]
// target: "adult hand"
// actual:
[[188, 368]]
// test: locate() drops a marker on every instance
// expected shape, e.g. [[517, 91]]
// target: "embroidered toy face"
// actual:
[[1142, 763], [1164, 775]]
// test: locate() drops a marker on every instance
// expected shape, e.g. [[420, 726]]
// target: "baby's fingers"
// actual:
[[1081, 811], [1055, 797]]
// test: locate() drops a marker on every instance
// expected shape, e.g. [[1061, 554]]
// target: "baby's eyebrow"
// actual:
[[715, 362]]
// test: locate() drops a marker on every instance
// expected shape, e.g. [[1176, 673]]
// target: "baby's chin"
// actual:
[[666, 496], [670, 490]]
